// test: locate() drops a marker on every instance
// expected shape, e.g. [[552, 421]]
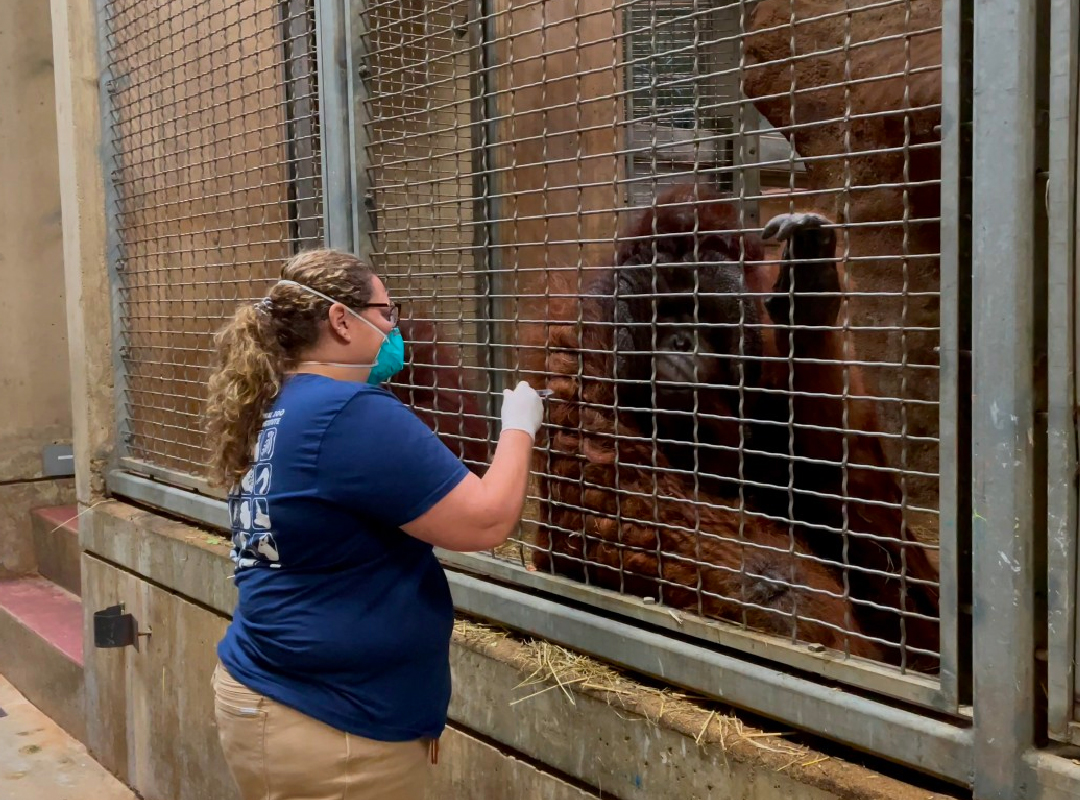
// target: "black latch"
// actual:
[[114, 628]]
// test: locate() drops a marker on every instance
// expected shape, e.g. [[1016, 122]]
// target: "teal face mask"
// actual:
[[390, 359]]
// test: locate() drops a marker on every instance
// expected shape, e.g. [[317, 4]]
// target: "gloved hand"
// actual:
[[522, 409]]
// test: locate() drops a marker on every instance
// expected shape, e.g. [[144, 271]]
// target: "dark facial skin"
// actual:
[[699, 355]]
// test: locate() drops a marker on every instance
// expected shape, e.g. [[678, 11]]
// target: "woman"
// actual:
[[334, 674]]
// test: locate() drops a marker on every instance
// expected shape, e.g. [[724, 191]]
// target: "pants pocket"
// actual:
[[240, 715]]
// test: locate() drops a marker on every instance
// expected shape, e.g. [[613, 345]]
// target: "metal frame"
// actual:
[[190, 505], [1062, 546], [951, 694], [107, 84], [193, 483], [358, 74], [336, 125], [1004, 530], [866, 675], [300, 90], [1053, 776], [929, 745], [954, 450]]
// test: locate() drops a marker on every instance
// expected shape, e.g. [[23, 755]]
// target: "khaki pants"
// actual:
[[276, 753]]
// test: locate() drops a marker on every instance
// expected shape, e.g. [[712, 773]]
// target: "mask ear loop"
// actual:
[[331, 300], [317, 293], [370, 324]]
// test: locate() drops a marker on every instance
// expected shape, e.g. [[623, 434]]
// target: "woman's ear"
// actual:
[[339, 325]]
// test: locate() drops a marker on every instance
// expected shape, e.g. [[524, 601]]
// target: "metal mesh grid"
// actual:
[[718, 442], [213, 125]]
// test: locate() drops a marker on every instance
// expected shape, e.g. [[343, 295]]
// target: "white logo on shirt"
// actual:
[[249, 510]]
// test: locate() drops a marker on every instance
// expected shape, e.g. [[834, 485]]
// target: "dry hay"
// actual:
[[548, 667]]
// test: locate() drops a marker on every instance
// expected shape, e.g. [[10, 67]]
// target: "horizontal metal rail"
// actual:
[[877, 678], [189, 505], [928, 745]]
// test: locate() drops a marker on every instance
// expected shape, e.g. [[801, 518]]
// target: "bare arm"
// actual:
[[480, 513]]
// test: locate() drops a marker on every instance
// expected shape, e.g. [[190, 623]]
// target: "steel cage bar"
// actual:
[[358, 74], [336, 118], [955, 270], [1003, 416], [1062, 545], [113, 246]]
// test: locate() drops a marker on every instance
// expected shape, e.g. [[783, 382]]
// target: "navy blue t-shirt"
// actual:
[[342, 615]]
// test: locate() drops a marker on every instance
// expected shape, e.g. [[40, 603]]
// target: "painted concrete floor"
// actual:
[[38, 761]]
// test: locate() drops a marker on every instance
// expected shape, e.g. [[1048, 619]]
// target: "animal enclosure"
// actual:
[[734, 238], [576, 193]]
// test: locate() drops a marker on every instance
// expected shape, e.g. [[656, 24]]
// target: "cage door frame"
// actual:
[[1063, 549]]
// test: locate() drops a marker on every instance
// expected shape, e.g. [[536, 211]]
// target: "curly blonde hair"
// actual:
[[261, 342]]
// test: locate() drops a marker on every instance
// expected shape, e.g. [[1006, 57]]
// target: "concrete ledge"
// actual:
[[638, 742], [191, 562], [56, 545], [41, 650]]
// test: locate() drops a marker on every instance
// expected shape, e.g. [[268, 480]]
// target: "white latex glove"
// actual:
[[522, 409]]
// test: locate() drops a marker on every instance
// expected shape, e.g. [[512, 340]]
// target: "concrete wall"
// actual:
[[150, 708], [34, 383]]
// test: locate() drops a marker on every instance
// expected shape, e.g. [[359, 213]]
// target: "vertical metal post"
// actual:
[[1062, 375], [955, 345], [300, 55], [748, 164], [359, 73], [1003, 415], [747, 144], [109, 83], [335, 125], [484, 135]]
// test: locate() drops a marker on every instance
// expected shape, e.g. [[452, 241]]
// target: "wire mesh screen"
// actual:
[[711, 228], [213, 125]]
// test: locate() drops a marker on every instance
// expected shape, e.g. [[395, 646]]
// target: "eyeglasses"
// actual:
[[390, 315]]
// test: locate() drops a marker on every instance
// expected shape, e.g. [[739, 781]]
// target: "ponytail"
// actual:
[[247, 378], [257, 345]]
